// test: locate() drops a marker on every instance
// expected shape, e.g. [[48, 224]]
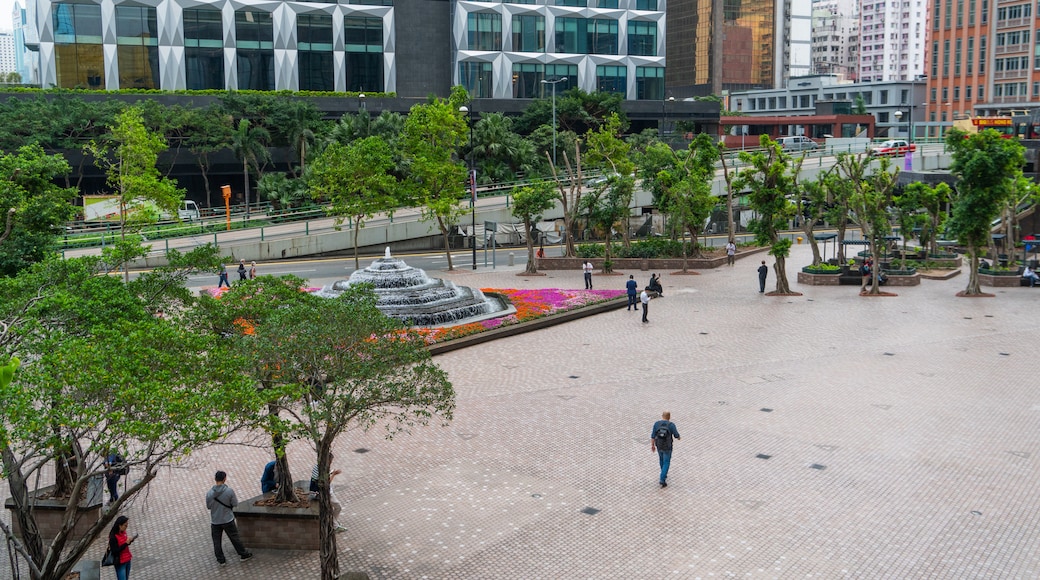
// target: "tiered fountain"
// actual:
[[409, 295]]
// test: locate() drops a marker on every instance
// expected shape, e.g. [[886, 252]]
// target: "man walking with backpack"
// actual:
[[661, 437]]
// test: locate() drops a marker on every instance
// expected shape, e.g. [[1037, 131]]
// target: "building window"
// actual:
[[363, 40], [316, 64], [960, 13], [946, 94], [957, 59], [611, 79], [569, 72], [78, 55], [476, 77], [646, 4], [580, 3], [985, 11], [203, 49], [137, 50], [982, 55], [603, 36], [956, 93], [567, 39], [527, 79], [254, 37], [883, 97], [642, 38], [946, 59], [981, 95], [935, 58], [650, 83], [485, 31], [971, 54], [528, 33]]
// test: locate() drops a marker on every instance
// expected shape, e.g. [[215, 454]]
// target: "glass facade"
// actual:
[[527, 79], [586, 36], [650, 83], [137, 51], [78, 56], [314, 43], [203, 55], [611, 79], [642, 38], [529, 33], [364, 45], [561, 71], [254, 38], [476, 78], [484, 31]]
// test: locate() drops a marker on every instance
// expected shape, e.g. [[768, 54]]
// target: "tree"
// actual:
[[529, 203], [356, 180], [358, 369], [688, 186], [283, 192], [434, 175], [986, 167], [128, 160], [209, 131], [811, 206], [772, 179], [500, 153], [870, 200], [910, 212], [249, 143], [611, 199], [147, 380], [34, 209], [236, 317]]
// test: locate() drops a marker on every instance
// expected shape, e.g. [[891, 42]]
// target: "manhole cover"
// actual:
[[590, 511], [763, 456], [361, 450]]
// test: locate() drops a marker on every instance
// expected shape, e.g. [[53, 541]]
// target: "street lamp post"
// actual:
[[553, 83], [361, 102], [664, 116], [472, 184], [899, 117]]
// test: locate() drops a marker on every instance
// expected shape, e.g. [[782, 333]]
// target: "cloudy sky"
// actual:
[[5, 14]]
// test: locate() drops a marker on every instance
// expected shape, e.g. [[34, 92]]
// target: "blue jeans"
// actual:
[[122, 571], [665, 458]]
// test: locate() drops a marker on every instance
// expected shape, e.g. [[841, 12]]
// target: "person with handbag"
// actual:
[[118, 554], [221, 502]]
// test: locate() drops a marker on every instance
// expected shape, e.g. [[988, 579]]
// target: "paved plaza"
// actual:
[[826, 435]]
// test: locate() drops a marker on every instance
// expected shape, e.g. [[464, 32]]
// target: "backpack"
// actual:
[[663, 437], [118, 464]]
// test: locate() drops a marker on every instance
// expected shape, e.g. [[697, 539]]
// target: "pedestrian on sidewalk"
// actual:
[[241, 270], [645, 299], [632, 289], [252, 270], [221, 502], [731, 252], [661, 437], [763, 271], [223, 277], [586, 267], [119, 547]]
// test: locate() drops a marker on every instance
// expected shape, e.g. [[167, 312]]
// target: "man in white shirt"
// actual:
[[1029, 273], [731, 253], [645, 299], [587, 268]]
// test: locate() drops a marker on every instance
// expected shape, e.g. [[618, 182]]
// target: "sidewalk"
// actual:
[[826, 435]]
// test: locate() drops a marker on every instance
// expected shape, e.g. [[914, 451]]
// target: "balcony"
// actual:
[[1011, 48], [1010, 74]]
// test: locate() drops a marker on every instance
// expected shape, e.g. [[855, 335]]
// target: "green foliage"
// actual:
[[590, 250], [576, 111], [283, 192], [529, 203], [687, 185], [986, 166], [40, 207], [822, 269]]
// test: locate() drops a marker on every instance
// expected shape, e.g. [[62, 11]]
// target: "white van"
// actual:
[[797, 143]]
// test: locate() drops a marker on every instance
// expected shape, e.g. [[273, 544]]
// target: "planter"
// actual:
[[903, 278], [1000, 278], [49, 513], [278, 528], [644, 264], [813, 278]]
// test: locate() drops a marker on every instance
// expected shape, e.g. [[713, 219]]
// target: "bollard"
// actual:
[[799, 239], [510, 258]]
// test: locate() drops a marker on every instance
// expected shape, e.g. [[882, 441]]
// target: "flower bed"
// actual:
[[529, 304]]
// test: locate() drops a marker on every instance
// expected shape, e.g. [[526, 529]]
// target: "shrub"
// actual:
[[590, 250]]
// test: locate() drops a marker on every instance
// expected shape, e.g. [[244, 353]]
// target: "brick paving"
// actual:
[[824, 436]]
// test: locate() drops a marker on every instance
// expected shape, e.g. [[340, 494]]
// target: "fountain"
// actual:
[[409, 295]]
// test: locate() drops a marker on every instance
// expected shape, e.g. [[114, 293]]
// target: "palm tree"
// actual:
[[250, 146]]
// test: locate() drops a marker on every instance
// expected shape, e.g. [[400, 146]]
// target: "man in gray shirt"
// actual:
[[221, 502]]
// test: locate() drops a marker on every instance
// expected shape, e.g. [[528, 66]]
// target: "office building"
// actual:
[[7, 60]]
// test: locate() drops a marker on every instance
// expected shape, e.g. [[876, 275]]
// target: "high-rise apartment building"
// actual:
[[24, 60], [892, 39], [7, 62], [835, 43], [982, 59], [748, 44]]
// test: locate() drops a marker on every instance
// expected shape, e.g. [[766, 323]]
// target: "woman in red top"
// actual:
[[119, 545]]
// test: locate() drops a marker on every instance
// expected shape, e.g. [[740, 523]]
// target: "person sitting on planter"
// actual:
[[1029, 274], [655, 285]]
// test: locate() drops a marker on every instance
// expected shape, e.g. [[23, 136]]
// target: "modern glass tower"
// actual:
[[245, 44]]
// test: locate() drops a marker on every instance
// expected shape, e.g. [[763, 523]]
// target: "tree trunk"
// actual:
[[973, 288], [283, 477], [203, 166], [780, 267], [357, 231], [328, 555], [445, 231], [20, 494], [808, 227], [245, 178], [532, 267]]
